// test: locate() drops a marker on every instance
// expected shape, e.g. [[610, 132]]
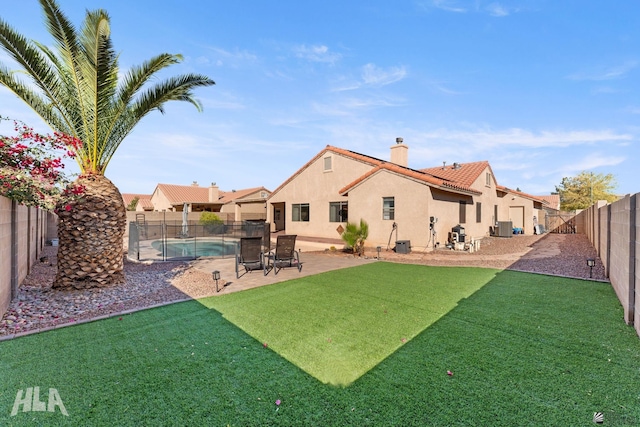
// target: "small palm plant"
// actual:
[[355, 236]]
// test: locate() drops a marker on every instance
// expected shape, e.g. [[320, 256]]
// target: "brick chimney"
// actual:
[[400, 153], [214, 193]]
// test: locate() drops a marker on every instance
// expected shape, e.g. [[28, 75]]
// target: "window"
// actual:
[[327, 163], [488, 179], [463, 212], [338, 211], [495, 213], [388, 208], [478, 212], [300, 212]]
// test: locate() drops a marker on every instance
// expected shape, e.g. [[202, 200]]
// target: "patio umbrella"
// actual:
[[185, 223]]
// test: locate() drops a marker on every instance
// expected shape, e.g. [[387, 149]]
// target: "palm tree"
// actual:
[[76, 90], [355, 236]]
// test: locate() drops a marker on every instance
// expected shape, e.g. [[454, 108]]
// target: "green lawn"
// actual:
[[337, 326], [524, 349]]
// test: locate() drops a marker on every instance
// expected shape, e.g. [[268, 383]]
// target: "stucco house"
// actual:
[[398, 203], [240, 205]]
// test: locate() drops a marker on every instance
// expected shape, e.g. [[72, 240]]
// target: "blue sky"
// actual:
[[542, 89]]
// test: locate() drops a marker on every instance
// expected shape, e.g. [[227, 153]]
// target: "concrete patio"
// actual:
[[312, 263]]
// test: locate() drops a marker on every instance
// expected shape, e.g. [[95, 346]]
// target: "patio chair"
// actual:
[[285, 254], [250, 256]]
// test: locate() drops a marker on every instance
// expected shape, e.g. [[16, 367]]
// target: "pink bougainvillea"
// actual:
[[31, 167]]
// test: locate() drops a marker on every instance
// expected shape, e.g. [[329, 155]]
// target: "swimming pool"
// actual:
[[193, 248]]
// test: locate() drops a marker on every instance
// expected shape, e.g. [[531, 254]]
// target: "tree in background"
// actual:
[[133, 204], [355, 236], [584, 189], [78, 89], [211, 222]]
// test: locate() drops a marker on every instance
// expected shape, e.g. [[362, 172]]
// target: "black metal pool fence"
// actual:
[[175, 240]]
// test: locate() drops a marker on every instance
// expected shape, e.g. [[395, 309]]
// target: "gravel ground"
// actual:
[[556, 254], [39, 307]]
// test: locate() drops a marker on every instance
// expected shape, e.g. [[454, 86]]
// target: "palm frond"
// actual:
[[175, 89], [34, 65], [79, 92], [99, 69], [33, 99]]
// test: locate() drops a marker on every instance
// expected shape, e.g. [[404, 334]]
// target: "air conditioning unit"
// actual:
[[504, 229]]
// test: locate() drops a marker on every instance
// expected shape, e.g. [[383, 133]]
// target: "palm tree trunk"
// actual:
[[90, 233]]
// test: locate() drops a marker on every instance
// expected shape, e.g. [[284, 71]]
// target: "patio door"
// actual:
[[278, 216]]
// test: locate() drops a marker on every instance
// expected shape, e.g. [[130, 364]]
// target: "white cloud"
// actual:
[[458, 6], [375, 76], [371, 75], [317, 53], [225, 57], [592, 161], [484, 138], [443, 89], [496, 9], [447, 5], [602, 73]]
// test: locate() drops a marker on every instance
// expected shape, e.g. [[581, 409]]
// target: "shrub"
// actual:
[[355, 236], [210, 221]]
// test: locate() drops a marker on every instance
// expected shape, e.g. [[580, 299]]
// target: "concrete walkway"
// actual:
[[312, 263]]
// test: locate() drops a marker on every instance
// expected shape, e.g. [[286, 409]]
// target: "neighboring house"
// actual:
[[553, 202], [397, 202], [240, 205]]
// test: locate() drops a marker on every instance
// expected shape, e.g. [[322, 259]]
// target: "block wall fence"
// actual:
[[23, 234], [613, 230]]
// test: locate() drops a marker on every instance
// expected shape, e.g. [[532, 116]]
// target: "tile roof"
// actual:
[[412, 174], [461, 173], [520, 193], [230, 196], [347, 153], [552, 199], [179, 194], [145, 202], [128, 197]]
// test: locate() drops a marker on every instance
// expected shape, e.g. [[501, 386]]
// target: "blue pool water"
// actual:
[[196, 248]]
